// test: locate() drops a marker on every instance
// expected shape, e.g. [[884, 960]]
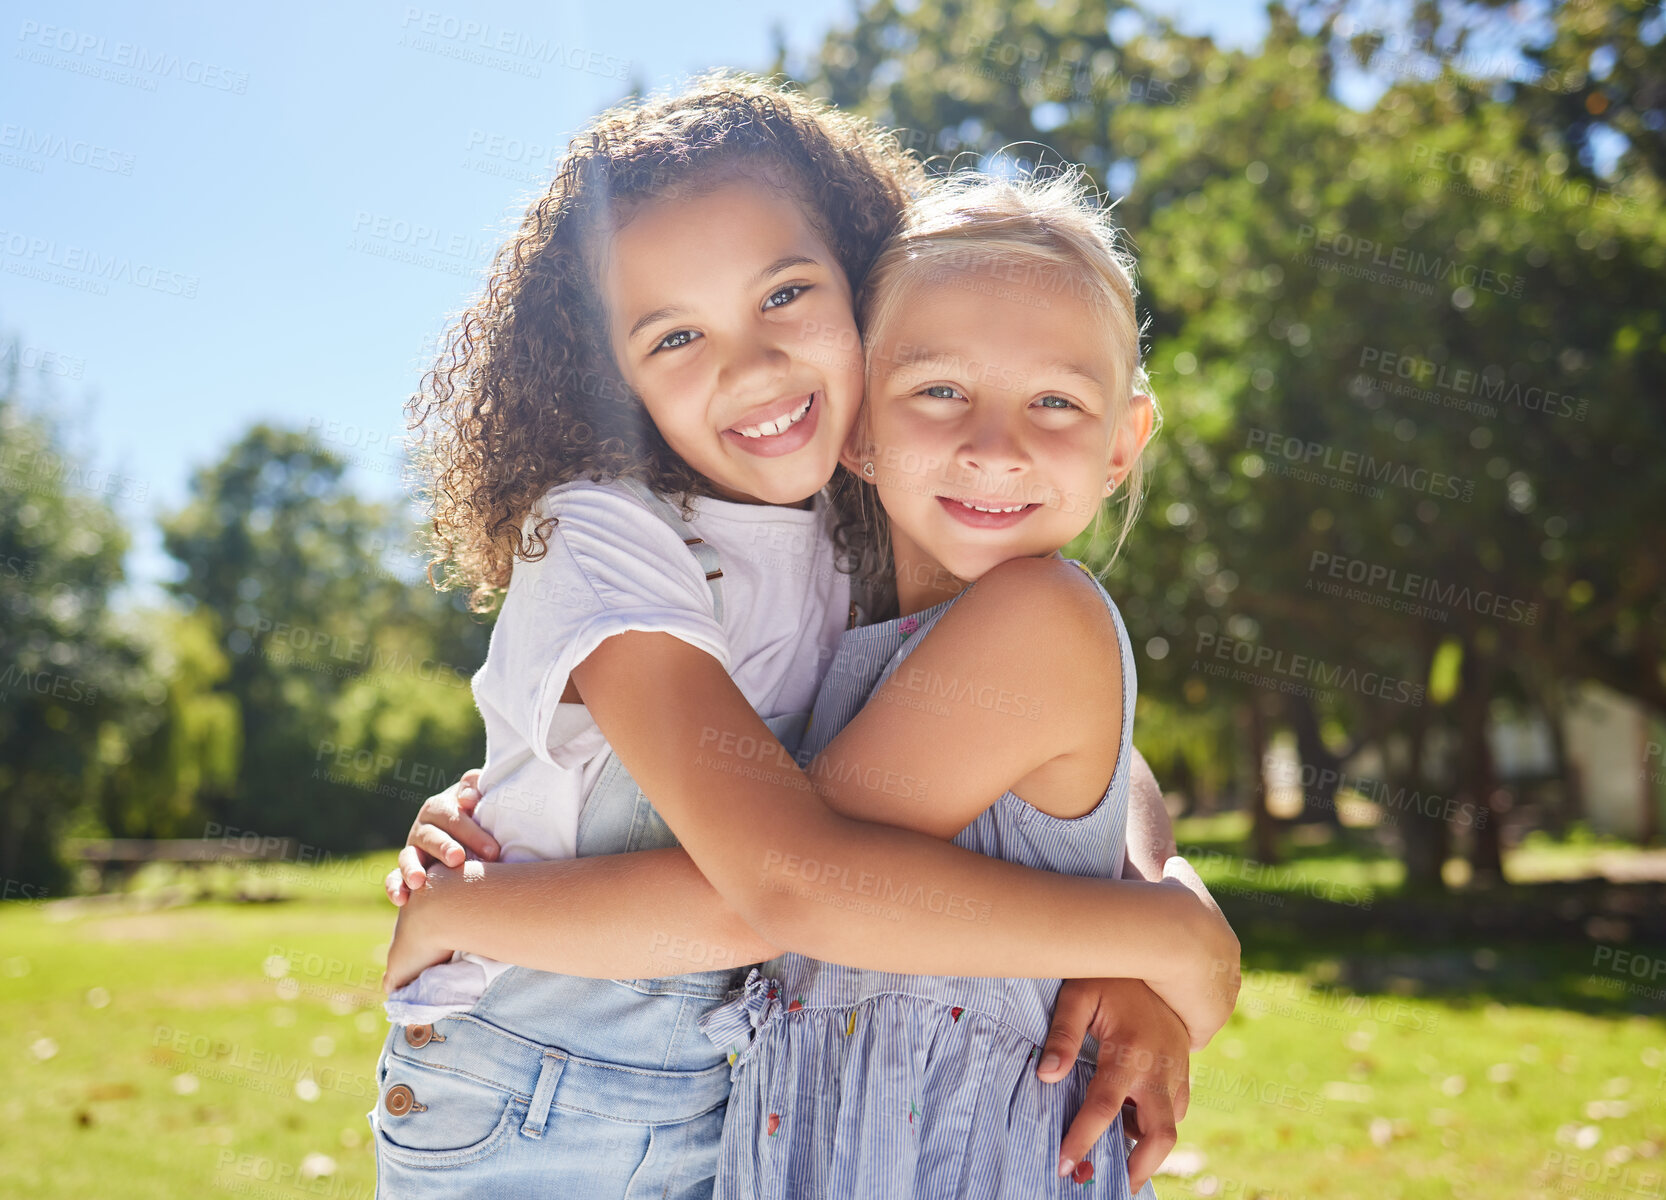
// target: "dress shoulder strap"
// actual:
[[704, 553]]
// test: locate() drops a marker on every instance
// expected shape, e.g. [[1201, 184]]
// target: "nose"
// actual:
[[992, 447], [752, 367]]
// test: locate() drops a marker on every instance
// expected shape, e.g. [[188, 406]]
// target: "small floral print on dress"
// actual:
[[1083, 1172], [850, 1023], [913, 1111], [908, 625], [774, 1123], [796, 1004], [955, 1013]]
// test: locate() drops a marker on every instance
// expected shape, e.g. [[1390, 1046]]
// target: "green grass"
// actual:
[[195, 1050], [157, 1054]]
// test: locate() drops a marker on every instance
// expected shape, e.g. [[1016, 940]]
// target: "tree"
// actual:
[[308, 589], [1403, 365], [65, 673]]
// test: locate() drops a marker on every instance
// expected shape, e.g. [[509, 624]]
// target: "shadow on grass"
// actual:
[[1578, 946]]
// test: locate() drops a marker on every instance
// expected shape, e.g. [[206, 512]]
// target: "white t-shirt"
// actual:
[[614, 565]]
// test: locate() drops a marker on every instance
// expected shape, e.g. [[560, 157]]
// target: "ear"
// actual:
[[1130, 440], [857, 449]]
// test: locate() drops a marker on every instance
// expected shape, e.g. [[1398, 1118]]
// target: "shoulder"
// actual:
[[1052, 598], [609, 547], [585, 502], [1043, 625]]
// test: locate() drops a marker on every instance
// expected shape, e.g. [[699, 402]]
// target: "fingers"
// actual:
[[1072, 1014], [442, 828], [1100, 1107], [1157, 1138], [394, 884], [412, 864], [439, 844], [468, 790]]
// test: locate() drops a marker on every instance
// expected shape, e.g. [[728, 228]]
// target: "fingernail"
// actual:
[[468, 793], [1050, 1062], [1065, 1166], [492, 850]]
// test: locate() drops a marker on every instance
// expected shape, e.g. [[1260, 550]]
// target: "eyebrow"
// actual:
[[672, 310], [925, 356]]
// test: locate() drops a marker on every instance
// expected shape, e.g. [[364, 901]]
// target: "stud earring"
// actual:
[[867, 469]]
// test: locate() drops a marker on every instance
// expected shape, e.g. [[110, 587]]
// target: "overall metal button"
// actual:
[[419, 1036], [401, 1100]]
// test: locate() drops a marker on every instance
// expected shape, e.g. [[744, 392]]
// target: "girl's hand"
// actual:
[[413, 948], [1143, 1061], [1203, 987], [444, 831]]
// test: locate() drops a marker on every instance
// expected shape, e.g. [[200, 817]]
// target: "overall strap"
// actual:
[[704, 554]]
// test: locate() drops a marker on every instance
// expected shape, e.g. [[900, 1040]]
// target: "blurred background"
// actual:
[[1399, 592]]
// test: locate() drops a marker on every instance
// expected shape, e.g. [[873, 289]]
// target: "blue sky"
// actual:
[[214, 216]]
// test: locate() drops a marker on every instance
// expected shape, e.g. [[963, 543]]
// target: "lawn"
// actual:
[[229, 1048]]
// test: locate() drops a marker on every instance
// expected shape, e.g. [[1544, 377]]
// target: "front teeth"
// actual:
[[980, 508], [779, 425]]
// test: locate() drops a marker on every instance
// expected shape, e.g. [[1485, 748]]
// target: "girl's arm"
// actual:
[[851, 892]]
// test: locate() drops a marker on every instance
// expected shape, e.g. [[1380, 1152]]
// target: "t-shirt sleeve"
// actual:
[[612, 567]]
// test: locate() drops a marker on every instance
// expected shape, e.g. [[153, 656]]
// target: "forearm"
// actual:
[[620, 916], [865, 895]]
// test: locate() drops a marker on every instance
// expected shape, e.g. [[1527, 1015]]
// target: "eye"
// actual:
[[1058, 403], [941, 391], [790, 293], [672, 341]]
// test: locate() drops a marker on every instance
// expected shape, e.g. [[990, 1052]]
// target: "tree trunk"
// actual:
[[1263, 827], [1479, 781], [1319, 801], [1425, 838]]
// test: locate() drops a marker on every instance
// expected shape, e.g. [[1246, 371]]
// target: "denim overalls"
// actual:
[[553, 1085]]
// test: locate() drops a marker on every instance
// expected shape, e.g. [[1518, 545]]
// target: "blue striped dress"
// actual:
[[850, 1083]]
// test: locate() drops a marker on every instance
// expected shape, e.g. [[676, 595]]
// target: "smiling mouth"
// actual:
[[779, 425], [977, 506]]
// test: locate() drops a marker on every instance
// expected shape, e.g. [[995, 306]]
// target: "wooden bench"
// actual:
[[123, 856]]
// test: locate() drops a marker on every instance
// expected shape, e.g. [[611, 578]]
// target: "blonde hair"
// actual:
[[1057, 231]]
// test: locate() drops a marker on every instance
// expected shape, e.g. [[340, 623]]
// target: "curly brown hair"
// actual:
[[525, 394]]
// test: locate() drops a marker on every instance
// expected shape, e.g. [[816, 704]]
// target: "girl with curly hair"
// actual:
[[674, 322]]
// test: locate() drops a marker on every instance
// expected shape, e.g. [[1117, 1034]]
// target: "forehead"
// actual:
[[704, 228], [1026, 317]]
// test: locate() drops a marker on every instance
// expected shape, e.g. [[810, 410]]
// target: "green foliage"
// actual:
[[349, 673], [1440, 286], [65, 673]]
